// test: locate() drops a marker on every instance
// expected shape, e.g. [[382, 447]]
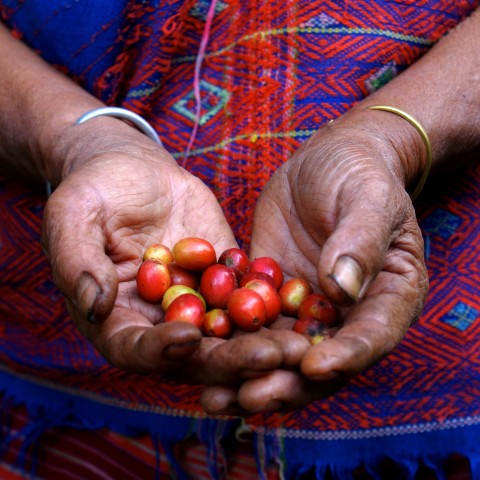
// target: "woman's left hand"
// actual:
[[338, 215]]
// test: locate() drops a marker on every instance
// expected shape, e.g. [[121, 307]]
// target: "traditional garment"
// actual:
[[271, 74]]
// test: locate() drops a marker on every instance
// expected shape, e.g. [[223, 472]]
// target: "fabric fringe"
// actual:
[[293, 454], [49, 408], [475, 466], [383, 457], [213, 434]]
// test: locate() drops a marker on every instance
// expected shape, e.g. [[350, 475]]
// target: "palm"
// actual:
[[121, 205], [322, 206], [157, 207], [280, 233]]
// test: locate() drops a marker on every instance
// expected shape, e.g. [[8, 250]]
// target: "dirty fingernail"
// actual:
[[86, 293], [348, 275]]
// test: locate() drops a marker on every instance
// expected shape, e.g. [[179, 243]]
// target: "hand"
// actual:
[[115, 200], [338, 214]]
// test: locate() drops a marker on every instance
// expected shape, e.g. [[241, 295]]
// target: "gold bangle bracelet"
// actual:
[[426, 141]]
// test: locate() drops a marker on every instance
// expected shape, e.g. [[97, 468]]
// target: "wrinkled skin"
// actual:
[[98, 223], [341, 195]]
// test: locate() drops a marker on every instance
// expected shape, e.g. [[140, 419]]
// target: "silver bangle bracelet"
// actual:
[[123, 114]]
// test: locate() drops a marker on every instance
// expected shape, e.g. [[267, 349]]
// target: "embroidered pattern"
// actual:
[[273, 73]]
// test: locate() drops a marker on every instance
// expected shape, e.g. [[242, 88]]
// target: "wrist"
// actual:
[[415, 192], [78, 144], [401, 139]]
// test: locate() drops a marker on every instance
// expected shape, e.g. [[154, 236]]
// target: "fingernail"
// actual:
[[348, 275], [86, 293]]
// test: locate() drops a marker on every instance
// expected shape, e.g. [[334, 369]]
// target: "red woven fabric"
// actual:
[[272, 74]]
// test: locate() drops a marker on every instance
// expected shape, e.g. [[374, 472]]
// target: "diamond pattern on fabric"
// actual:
[[442, 223], [213, 100], [461, 316], [273, 73]]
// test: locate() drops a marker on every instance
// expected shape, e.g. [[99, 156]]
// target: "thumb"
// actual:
[[74, 243], [369, 218]]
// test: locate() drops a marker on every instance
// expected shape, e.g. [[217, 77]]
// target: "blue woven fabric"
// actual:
[[419, 404]]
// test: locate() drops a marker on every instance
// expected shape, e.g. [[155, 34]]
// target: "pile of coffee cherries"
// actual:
[[220, 295]]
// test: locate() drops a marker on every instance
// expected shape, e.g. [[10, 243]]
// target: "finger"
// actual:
[[74, 243], [283, 391], [371, 213], [373, 328], [219, 400], [293, 345], [220, 362], [129, 341], [278, 391]]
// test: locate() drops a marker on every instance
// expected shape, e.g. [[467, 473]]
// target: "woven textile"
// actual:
[[272, 73]]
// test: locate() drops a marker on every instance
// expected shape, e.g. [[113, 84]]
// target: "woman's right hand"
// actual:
[[121, 193]]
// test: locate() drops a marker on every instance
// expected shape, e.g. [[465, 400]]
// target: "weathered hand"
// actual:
[[97, 224], [338, 214]]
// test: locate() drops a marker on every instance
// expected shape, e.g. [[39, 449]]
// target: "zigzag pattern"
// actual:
[[280, 74]]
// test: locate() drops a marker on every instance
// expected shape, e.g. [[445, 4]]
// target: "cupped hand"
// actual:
[[338, 215], [114, 202]]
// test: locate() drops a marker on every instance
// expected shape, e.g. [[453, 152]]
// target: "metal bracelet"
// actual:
[[123, 114], [428, 147]]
